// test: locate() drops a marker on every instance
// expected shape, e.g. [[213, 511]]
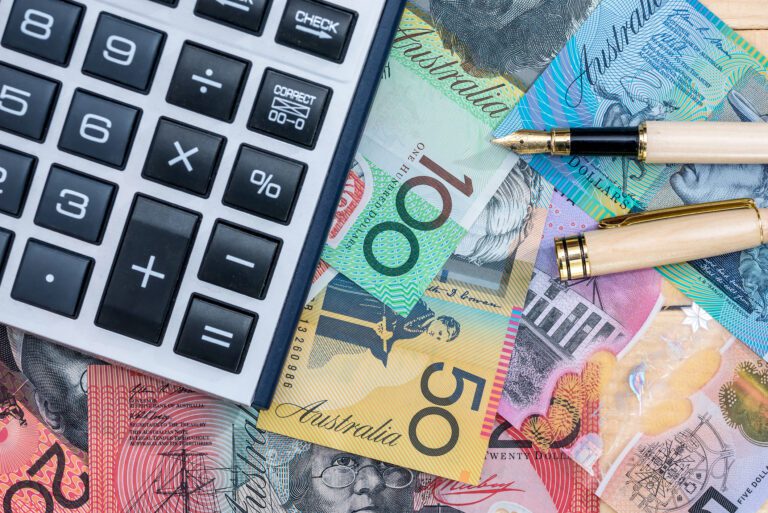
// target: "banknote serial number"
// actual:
[[296, 349], [54, 495]]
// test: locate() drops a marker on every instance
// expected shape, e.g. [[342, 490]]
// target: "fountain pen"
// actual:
[[653, 142]]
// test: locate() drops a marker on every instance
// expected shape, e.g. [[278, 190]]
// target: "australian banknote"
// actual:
[[158, 447], [517, 477], [706, 445], [39, 471], [551, 385], [641, 60], [425, 169], [420, 389]]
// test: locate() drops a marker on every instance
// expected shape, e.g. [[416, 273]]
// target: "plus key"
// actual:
[[147, 271]]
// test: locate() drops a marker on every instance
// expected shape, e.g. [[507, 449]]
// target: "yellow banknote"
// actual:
[[419, 390]]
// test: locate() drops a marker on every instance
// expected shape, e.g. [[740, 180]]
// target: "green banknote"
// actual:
[[425, 169]]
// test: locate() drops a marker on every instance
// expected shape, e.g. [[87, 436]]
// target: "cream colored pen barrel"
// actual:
[[672, 241], [706, 143]]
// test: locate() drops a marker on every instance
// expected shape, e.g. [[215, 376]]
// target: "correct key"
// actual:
[[147, 271]]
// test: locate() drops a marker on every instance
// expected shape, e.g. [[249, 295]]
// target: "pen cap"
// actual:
[[660, 242]]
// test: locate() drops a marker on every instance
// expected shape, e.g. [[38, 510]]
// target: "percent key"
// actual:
[[265, 184]]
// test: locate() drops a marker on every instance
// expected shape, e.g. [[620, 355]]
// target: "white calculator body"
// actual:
[[169, 170]]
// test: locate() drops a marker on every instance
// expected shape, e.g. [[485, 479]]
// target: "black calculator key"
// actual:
[[290, 108], [26, 102], [52, 278], [124, 52], [16, 170], [208, 82], [99, 129], [170, 3], [216, 335], [46, 29], [239, 260], [147, 270], [317, 28], [248, 15], [6, 239], [184, 157], [265, 184], [75, 204]]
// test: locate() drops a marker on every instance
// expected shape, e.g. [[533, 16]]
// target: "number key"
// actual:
[[124, 52], [46, 29], [16, 171], [26, 102], [75, 204], [99, 129]]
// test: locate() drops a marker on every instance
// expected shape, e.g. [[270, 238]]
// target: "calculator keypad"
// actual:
[[124, 52], [16, 171], [27, 103], [99, 129], [208, 82], [184, 157], [52, 278], [222, 118], [240, 260], [45, 29], [75, 204], [147, 270], [249, 16]]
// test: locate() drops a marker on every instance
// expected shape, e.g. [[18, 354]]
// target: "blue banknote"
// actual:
[[638, 60]]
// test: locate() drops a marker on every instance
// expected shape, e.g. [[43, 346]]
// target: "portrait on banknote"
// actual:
[[314, 479], [58, 377], [351, 315], [517, 38]]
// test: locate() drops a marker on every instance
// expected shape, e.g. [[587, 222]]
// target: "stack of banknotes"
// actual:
[[440, 365]]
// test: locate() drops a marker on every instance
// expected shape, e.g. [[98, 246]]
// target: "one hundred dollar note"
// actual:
[[551, 387], [638, 60], [157, 447], [39, 471], [425, 169], [701, 442], [422, 389]]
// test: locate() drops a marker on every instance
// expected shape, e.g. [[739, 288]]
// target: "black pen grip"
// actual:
[[605, 141]]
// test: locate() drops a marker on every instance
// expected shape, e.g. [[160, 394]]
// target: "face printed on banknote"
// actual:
[[58, 377], [517, 38]]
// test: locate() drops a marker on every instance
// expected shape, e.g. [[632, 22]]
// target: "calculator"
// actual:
[[169, 170]]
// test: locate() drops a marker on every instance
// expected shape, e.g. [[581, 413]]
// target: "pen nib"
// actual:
[[527, 142]]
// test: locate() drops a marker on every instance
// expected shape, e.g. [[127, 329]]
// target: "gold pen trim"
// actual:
[[642, 146], [560, 142]]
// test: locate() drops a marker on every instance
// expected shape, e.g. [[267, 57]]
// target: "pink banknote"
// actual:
[[517, 478], [550, 387], [38, 471]]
